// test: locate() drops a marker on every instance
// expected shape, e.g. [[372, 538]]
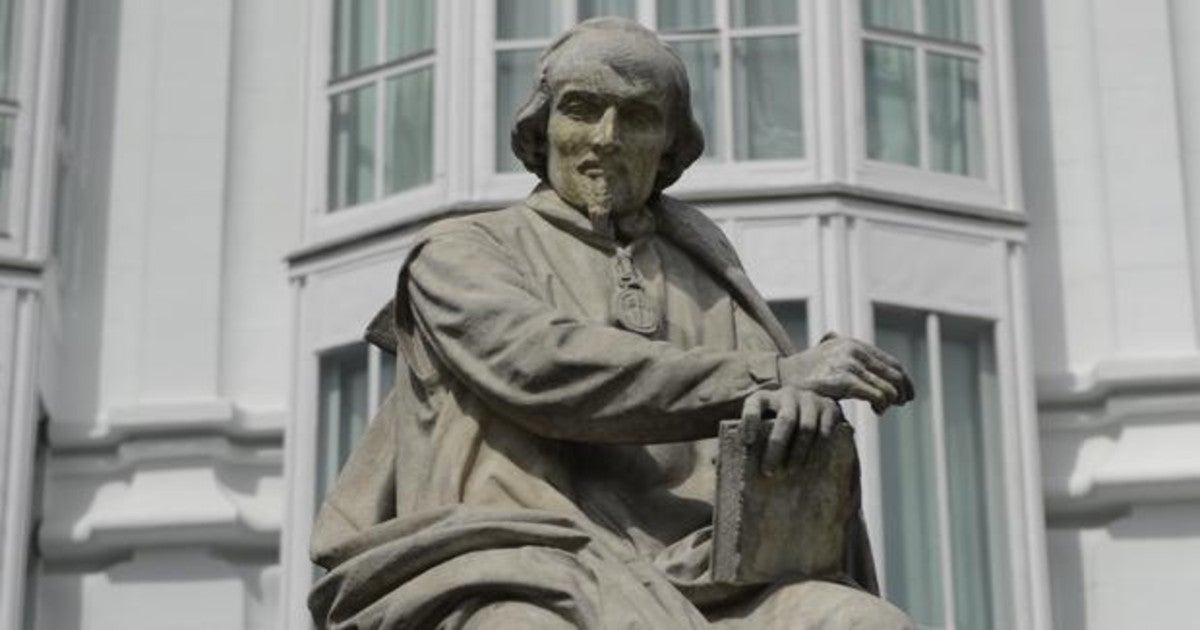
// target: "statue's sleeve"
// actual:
[[558, 375]]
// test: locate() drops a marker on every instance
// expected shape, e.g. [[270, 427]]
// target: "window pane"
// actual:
[[409, 131], [352, 147], [514, 79], [906, 459], [955, 128], [952, 19], [971, 408], [7, 47], [891, 92], [343, 409], [763, 12], [768, 123], [523, 19], [793, 314], [703, 63], [410, 27], [593, 8], [354, 36], [685, 15], [893, 14], [7, 123]]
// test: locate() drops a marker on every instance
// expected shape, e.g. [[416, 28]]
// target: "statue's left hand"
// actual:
[[800, 417]]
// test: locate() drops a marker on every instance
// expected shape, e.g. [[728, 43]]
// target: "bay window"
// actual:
[[380, 93]]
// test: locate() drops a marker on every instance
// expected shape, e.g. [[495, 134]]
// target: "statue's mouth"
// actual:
[[592, 167]]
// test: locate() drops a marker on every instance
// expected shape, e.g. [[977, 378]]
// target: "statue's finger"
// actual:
[[781, 431], [890, 391], [806, 432], [752, 412]]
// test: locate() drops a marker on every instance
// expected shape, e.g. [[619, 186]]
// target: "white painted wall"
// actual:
[[167, 361], [1108, 103]]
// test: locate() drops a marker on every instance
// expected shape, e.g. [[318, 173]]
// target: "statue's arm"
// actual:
[[560, 376]]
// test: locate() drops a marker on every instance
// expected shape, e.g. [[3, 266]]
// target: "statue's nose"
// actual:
[[604, 135]]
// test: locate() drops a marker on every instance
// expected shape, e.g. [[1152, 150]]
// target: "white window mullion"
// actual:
[[373, 366], [570, 13], [380, 121], [381, 103], [648, 14], [934, 335], [725, 43]]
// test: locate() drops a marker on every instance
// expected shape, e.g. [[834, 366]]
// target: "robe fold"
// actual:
[[533, 453]]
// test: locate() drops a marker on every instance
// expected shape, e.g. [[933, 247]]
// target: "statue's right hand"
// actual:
[[801, 418], [843, 367]]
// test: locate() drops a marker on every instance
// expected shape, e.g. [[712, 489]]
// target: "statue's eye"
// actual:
[[581, 108]]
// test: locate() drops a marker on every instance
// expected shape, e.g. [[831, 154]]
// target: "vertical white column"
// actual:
[[162, 305], [933, 335]]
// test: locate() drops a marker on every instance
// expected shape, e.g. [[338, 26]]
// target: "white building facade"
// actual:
[[203, 203]]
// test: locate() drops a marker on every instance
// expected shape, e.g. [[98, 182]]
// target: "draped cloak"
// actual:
[[533, 451]]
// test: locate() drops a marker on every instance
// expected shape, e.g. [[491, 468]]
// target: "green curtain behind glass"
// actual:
[[702, 59], [768, 119], [352, 147], [409, 132], [910, 534], [343, 408]]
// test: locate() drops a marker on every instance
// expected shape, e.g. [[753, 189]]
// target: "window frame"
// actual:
[[323, 223], [995, 443], [998, 186], [34, 76], [706, 177]]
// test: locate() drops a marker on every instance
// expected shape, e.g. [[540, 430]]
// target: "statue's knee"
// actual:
[[514, 615], [868, 612]]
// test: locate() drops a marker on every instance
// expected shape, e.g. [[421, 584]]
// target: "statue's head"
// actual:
[[609, 123]]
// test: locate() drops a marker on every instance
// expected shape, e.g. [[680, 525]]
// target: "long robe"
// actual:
[[533, 453]]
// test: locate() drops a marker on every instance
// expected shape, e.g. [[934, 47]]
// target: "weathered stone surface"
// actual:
[[547, 457]]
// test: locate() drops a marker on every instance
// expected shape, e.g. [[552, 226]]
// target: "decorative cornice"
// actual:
[[1127, 433], [164, 492]]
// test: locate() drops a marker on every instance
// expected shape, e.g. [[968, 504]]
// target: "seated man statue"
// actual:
[[547, 456]]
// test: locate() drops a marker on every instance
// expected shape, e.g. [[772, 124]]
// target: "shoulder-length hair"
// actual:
[[529, 140]]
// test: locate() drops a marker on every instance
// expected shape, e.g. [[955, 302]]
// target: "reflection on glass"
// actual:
[[971, 409], [410, 27], [593, 8], [343, 408], [793, 314], [768, 123], [906, 462], [891, 95], [893, 14], [703, 63], [955, 127], [685, 15], [352, 147], [525, 19], [762, 12], [408, 158], [951, 19], [7, 123], [514, 76], [354, 35]]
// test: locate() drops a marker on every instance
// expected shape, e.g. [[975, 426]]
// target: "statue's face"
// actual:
[[607, 135]]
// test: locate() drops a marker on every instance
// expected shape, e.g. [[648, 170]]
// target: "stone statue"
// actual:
[[547, 456]]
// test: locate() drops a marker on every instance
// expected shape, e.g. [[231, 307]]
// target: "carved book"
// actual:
[[760, 520]]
